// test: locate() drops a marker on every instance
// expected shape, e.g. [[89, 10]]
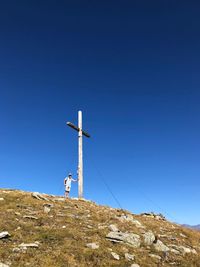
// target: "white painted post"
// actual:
[[80, 156]]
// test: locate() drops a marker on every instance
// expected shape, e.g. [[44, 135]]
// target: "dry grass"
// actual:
[[66, 246]]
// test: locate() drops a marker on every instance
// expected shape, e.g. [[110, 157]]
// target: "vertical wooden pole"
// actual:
[[80, 156]]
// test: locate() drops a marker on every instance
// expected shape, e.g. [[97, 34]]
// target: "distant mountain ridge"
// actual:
[[196, 227]]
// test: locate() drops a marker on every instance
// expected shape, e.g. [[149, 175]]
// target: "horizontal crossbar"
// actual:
[[77, 129]]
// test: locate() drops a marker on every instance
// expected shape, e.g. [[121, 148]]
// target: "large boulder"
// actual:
[[127, 238], [149, 238], [159, 246]]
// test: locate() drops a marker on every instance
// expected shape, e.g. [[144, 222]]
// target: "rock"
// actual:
[[129, 257], [155, 256], [16, 250], [29, 245], [127, 238], [1, 199], [149, 238], [3, 265], [113, 228], [39, 196], [159, 216], [115, 237], [48, 205], [129, 218], [132, 239], [115, 255], [92, 245], [159, 246], [4, 234], [174, 251], [59, 199], [182, 235], [100, 227], [47, 209], [30, 217], [182, 249]]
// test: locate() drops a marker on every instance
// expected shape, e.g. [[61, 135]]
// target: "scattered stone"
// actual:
[[159, 246], [155, 256], [18, 228], [48, 205], [129, 257], [47, 209], [129, 218], [28, 245], [59, 199], [3, 265], [16, 250], [182, 235], [4, 234], [30, 217], [113, 228], [115, 255], [64, 226], [39, 196], [89, 227], [135, 265], [182, 249], [159, 216], [1, 199], [100, 227], [174, 251], [6, 191], [164, 236], [127, 238], [149, 238], [92, 245]]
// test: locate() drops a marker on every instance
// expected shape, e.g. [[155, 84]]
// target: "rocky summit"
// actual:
[[45, 230]]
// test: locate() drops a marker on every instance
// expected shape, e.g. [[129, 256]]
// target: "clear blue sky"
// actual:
[[132, 67]]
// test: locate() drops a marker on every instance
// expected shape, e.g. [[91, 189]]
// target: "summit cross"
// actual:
[[80, 151]]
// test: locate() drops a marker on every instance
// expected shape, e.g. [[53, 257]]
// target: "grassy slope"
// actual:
[[62, 247]]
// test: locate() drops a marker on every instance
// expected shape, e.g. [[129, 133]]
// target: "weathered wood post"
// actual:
[[80, 151], [80, 156]]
